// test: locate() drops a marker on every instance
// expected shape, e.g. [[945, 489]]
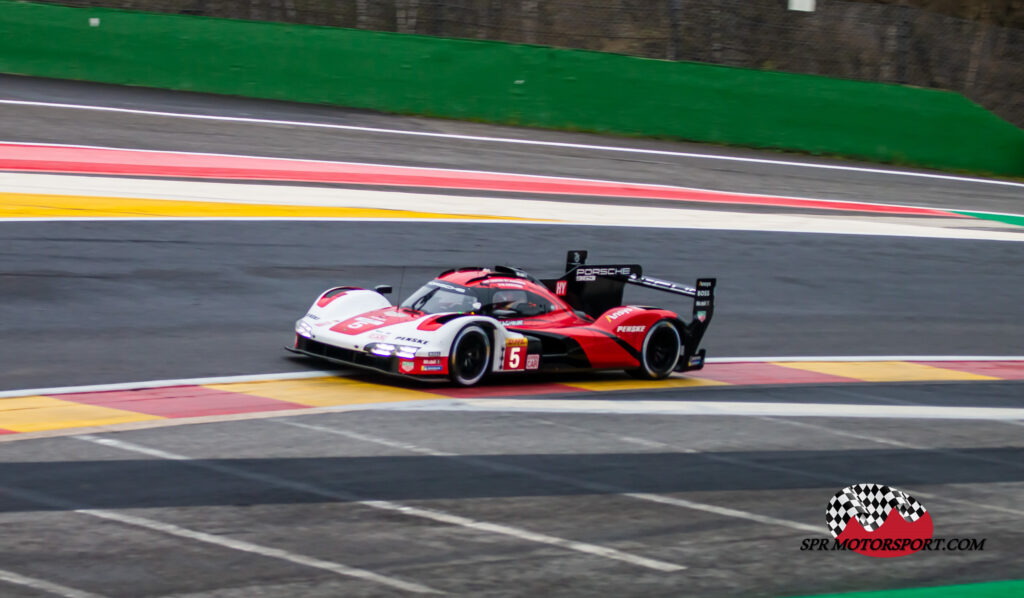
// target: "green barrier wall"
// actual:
[[507, 83]]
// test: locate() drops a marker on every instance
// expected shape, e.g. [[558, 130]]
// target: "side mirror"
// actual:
[[383, 289]]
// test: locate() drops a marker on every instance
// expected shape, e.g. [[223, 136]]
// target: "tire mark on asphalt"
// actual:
[[385, 505], [46, 586], [206, 538], [907, 445], [820, 476], [567, 480]]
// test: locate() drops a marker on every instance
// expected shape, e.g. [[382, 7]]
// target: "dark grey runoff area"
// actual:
[[281, 484], [52, 125], [107, 302]]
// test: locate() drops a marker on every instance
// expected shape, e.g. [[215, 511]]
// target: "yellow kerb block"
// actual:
[[36, 413], [632, 384], [883, 371], [326, 392], [29, 205]]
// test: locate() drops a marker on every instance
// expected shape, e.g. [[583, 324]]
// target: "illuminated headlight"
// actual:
[[387, 350], [406, 352], [304, 329], [382, 349]]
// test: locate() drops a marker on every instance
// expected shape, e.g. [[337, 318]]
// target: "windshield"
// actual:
[[509, 303], [437, 297]]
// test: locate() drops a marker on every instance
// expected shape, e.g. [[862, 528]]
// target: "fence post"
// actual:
[[675, 17], [903, 45], [531, 13]]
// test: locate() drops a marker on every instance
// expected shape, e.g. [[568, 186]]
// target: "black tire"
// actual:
[[660, 353], [470, 356]]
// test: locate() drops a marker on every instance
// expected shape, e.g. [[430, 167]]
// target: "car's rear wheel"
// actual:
[[470, 356], [660, 352]]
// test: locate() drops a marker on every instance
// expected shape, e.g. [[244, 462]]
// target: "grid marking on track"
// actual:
[[218, 540], [391, 506]]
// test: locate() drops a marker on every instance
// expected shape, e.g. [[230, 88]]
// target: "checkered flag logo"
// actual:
[[871, 505]]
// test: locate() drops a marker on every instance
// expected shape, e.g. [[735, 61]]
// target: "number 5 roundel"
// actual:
[[515, 354]]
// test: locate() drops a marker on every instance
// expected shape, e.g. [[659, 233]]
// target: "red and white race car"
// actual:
[[470, 322]]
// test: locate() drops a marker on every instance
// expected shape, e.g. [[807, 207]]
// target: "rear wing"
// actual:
[[596, 289]]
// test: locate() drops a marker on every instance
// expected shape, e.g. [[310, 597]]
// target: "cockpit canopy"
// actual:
[[438, 296]]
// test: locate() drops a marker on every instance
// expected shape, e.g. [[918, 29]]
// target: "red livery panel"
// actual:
[[373, 320], [505, 320]]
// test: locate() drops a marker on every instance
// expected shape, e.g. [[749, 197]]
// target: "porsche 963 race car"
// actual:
[[471, 322]]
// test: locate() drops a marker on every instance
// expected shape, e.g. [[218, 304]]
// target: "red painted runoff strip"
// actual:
[[764, 373], [29, 157], [1005, 370], [181, 401], [3, 431]]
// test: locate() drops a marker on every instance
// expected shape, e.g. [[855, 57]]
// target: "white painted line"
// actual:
[[221, 541], [329, 373], [721, 408], [524, 534], [898, 443], [831, 226], [723, 221], [848, 358], [59, 390], [402, 509], [44, 586], [531, 142], [816, 475], [567, 480], [726, 512], [889, 442], [265, 551], [511, 174], [470, 210]]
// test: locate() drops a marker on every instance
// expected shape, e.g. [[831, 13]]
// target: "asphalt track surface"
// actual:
[[106, 302], [648, 486], [365, 503]]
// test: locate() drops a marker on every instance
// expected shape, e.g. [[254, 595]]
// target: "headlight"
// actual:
[[387, 350], [406, 352], [382, 349], [304, 329]]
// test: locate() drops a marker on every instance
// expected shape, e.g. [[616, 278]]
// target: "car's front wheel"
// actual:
[[660, 352], [470, 356]]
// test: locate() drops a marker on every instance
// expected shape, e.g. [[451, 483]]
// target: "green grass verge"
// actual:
[[1007, 218], [998, 589]]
